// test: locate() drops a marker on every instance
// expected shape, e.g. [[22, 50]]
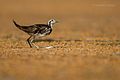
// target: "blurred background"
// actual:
[[79, 19], [97, 21]]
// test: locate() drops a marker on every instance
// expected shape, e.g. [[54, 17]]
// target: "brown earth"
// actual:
[[86, 40]]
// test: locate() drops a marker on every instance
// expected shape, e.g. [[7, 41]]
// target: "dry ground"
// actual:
[[87, 40]]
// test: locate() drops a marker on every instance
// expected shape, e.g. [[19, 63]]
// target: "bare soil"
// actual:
[[86, 41]]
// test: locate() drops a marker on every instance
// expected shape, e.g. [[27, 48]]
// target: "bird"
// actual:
[[36, 30]]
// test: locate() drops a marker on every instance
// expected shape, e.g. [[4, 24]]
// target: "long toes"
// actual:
[[36, 46], [48, 47]]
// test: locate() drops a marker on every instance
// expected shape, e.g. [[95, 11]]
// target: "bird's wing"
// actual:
[[36, 28], [29, 29], [43, 29]]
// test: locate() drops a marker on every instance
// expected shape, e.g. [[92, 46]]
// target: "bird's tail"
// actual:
[[17, 25]]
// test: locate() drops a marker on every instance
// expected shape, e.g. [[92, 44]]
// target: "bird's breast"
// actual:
[[44, 32]]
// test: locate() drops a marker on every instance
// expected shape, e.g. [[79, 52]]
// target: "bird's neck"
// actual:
[[50, 24]]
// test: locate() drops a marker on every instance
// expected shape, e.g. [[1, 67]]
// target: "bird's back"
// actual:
[[35, 29], [43, 29]]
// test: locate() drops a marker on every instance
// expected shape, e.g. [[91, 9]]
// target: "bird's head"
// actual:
[[51, 22]]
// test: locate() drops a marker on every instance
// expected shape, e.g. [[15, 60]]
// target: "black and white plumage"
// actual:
[[35, 30]]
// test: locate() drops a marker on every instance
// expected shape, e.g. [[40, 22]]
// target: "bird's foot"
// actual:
[[34, 46], [48, 47]]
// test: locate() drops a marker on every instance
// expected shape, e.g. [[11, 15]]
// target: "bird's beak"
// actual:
[[57, 21]]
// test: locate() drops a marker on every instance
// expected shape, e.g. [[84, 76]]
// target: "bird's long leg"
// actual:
[[29, 42], [33, 43], [46, 47]]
